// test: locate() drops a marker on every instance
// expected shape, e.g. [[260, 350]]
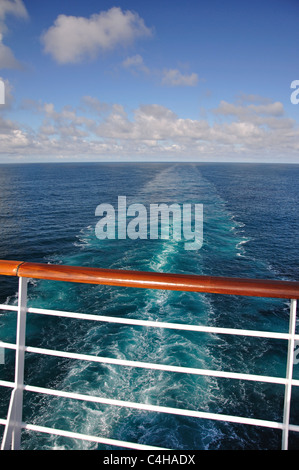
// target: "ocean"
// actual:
[[250, 229]]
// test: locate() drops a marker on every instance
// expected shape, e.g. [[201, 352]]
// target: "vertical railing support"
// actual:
[[289, 375], [12, 432], [19, 365], [7, 436], [20, 359]]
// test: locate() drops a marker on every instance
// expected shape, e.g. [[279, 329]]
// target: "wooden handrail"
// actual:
[[9, 268], [152, 280]]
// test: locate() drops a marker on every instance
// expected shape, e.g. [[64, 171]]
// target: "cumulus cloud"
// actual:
[[167, 77], [7, 58], [94, 105], [72, 39], [135, 63], [174, 77], [12, 139], [15, 8], [268, 109], [151, 123], [257, 112]]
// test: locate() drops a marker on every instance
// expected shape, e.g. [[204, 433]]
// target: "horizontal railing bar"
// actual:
[[156, 324], [5, 383], [7, 345], [293, 427], [85, 437], [156, 408], [9, 307], [153, 280], [148, 365], [146, 407]]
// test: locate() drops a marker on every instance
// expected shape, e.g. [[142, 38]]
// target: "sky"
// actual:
[[159, 80]]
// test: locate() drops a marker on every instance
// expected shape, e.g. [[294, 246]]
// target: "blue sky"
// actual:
[[192, 80]]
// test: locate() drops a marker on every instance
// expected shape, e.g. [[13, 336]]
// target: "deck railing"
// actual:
[[217, 285]]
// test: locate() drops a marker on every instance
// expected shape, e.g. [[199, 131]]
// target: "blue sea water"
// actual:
[[250, 229]]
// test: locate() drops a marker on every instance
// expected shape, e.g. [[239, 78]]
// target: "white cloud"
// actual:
[[263, 114], [135, 63], [168, 77], [72, 39], [94, 104], [268, 109], [7, 58], [174, 77], [15, 8], [12, 139]]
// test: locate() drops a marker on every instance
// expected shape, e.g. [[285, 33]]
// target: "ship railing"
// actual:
[[150, 280]]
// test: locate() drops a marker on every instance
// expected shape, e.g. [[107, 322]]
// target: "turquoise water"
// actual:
[[250, 227]]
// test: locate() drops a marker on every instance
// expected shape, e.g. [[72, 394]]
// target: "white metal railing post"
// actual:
[[289, 375], [19, 365], [12, 432], [7, 436]]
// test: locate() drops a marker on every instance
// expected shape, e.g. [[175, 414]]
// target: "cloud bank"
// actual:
[[256, 131]]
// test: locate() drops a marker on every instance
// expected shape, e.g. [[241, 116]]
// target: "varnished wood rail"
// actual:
[[153, 280]]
